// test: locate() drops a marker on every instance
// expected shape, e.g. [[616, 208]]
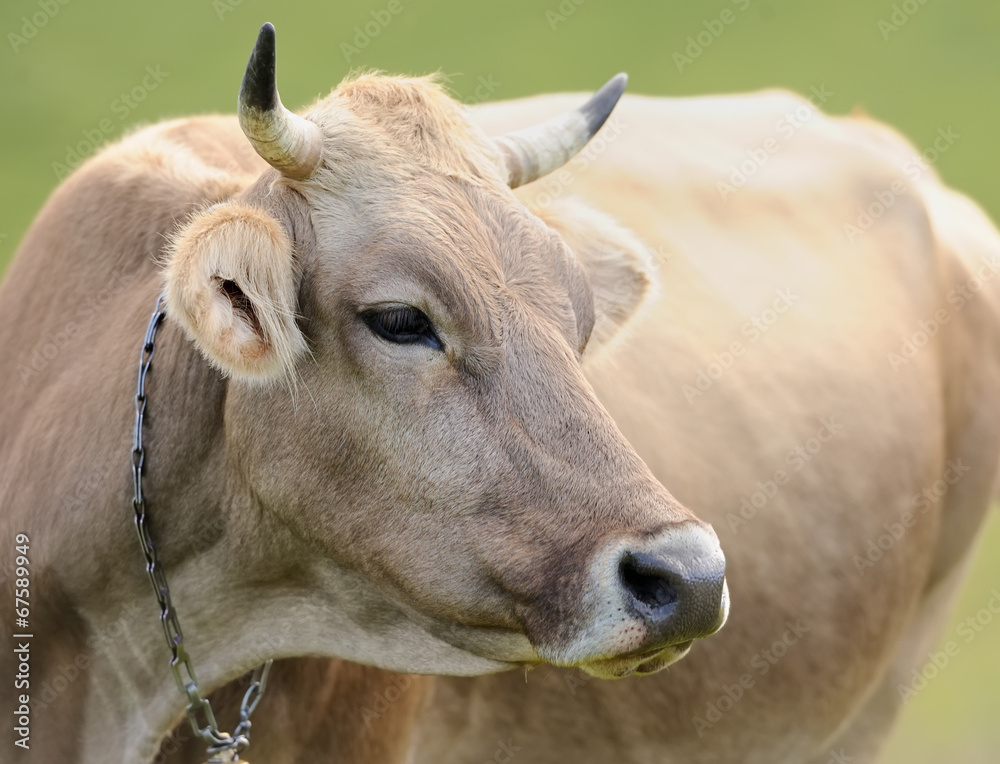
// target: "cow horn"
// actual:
[[536, 151], [286, 141]]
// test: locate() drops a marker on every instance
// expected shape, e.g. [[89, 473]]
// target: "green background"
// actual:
[[940, 69]]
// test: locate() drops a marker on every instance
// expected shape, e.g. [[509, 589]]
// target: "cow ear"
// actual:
[[619, 266], [231, 283]]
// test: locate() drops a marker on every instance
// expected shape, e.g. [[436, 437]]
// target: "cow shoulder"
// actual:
[[106, 225]]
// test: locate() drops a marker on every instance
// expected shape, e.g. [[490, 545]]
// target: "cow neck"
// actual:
[[221, 746]]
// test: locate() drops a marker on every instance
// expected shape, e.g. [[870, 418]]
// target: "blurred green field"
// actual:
[[68, 70]]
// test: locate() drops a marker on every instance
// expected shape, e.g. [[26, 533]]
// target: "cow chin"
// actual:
[[515, 649], [651, 660], [638, 665]]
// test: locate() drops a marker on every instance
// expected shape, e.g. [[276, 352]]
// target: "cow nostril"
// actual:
[[649, 587]]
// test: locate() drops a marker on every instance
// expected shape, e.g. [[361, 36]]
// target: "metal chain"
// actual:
[[199, 710]]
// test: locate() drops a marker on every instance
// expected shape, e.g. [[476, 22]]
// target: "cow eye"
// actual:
[[403, 325]]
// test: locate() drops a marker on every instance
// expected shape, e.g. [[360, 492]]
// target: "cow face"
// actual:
[[404, 341]]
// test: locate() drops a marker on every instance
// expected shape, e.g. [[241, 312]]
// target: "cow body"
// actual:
[[368, 435], [716, 404], [781, 387], [807, 445]]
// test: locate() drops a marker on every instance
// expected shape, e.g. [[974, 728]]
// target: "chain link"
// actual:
[[199, 710]]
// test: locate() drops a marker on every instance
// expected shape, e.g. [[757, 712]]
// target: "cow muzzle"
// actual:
[[648, 600]]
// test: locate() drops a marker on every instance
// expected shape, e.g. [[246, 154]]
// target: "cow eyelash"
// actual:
[[403, 325]]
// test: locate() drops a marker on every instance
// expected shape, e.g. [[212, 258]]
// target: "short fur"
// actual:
[[461, 510], [440, 513], [800, 565], [257, 338]]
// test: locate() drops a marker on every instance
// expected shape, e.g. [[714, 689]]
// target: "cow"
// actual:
[[366, 433], [818, 379]]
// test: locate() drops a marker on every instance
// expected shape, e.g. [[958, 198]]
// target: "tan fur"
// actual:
[[835, 690], [237, 243], [620, 267], [454, 512], [363, 714], [459, 507], [419, 122]]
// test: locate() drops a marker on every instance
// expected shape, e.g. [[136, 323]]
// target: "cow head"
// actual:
[[404, 342]]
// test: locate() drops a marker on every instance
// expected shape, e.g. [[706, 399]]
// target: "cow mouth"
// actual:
[[637, 664]]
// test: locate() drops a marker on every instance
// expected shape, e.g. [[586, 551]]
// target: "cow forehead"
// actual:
[[427, 198], [390, 127], [474, 251]]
